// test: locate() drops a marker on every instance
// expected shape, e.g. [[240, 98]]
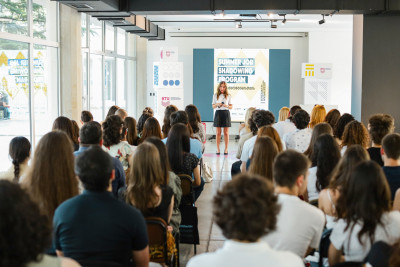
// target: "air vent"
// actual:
[[80, 6]]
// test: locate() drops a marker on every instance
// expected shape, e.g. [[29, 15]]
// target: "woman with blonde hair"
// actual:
[[284, 113], [244, 128], [262, 160], [318, 115]]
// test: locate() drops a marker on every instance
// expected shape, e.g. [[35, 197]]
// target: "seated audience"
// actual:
[[284, 113], [121, 113], [300, 225], [167, 122], [181, 159], [195, 123], [112, 110], [264, 154], [147, 113], [19, 152], [112, 128], [332, 117], [328, 196], [325, 157], [299, 140], [244, 128], [25, 232], [360, 223], [287, 125], [379, 125], [249, 197], [318, 115], [86, 116], [354, 133], [151, 128], [340, 125], [391, 159], [131, 135], [64, 124], [95, 226], [319, 129], [91, 135]]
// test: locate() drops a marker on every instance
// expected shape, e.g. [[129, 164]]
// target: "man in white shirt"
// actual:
[[259, 119], [300, 225], [287, 126], [255, 208], [299, 140]]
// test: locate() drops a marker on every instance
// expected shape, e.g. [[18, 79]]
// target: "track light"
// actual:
[[284, 20], [322, 21], [273, 26], [222, 13], [239, 26]]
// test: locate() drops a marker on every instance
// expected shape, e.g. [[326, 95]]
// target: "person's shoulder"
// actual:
[[205, 259], [288, 259], [308, 210], [195, 142], [394, 216]]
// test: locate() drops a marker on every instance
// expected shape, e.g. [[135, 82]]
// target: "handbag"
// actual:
[[207, 172]]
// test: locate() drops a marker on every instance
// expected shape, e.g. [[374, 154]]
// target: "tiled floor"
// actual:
[[211, 237]]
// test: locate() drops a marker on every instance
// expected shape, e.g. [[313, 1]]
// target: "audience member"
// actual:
[[287, 125], [379, 125], [121, 113], [318, 115], [181, 159], [112, 128], [284, 113], [20, 152], [328, 197], [354, 133], [264, 154], [112, 110], [249, 197], [364, 211], [332, 117], [167, 119], [86, 116], [25, 232], [95, 226], [147, 113], [325, 157], [91, 135], [272, 133], [75, 128], [195, 122], [299, 139], [396, 202], [131, 136], [151, 128], [391, 159], [64, 124], [319, 129], [171, 179], [300, 225], [244, 128], [340, 125]]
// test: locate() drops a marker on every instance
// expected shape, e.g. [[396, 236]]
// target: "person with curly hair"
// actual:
[[253, 198], [25, 232], [112, 129], [299, 139], [167, 119], [318, 115], [64, 124], [20, 152], [354, 133], [151, 128]]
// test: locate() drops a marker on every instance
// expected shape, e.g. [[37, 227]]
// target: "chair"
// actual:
[[187, 189]]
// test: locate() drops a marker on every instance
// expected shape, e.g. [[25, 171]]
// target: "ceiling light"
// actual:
[[273, 26], [284, 20], [239, 26], [271, 15], [322, 21], [222, 13]]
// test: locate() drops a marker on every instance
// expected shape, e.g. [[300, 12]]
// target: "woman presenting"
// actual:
[[222, 118]]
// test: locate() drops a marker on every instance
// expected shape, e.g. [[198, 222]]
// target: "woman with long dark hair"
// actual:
[[195, 123], [19, 151], [167, 119], [131, 135], [319, 129], [151, 128]]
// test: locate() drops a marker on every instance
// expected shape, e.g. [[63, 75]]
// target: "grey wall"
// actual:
[[381, 67]]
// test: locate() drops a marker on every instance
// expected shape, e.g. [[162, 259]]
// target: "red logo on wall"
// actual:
[[322, 70], [165, 101]]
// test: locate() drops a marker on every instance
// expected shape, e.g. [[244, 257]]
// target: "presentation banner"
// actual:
[[246, 72], [168, 74], [166, 97]]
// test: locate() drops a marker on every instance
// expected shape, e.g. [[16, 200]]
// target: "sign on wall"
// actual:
[[316, 70], [169, 54], [167, 75], [168, 96]]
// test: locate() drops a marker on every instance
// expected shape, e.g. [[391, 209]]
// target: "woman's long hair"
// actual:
[[51, 179], [151, 128], [178, 143], [364, 198], [162, 150], [167, 119], [144, 177], [19, 151], [332, 117], [341, 124], [272, 133], [355, 133], [131, 136], [262, 160], [194, 117], [284, 113], [325, 156], [112, 110], [318, 115], [112, 128], [64, 124], [319, 129], [226, 89]]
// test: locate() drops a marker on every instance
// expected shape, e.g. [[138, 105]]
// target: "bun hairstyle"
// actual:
[[19, 150]]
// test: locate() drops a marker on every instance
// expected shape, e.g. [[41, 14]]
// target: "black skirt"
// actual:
[[222, 118]]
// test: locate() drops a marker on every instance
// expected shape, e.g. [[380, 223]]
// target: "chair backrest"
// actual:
[[157, 232], [187, 189]]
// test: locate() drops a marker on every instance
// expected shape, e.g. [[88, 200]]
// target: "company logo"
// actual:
[[165, 101], [310, 70], [322, 70]]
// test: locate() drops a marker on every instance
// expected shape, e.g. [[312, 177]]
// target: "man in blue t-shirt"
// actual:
[[391, 161], [95, 227]]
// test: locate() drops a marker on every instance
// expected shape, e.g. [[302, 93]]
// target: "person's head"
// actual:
[[112, 110], [95, 169], [19, 151], [301, 119], [355, 133], [86, 116], [51, 178], [194, 117], [332, 117], [284, 113], [262, 160], [341, 124], [145, 175], [121, 113], [293, 110], [250, 197], [318, 115], [162, 150], [178, 142], [379, 125], [261, 118], [167, 119], [272, 133], [142, 120], [179, 116], [247, 118], [353, 155], [149, 111], [151, 128], [364, 198], [64, 124], [325, 156], [112, 129], [131, 136], [391, 146], [90, 133], [26, 233], [290, 170], [222, 89], [319, 129]]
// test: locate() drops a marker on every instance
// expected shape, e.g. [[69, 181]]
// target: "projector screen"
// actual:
[[246, 72]]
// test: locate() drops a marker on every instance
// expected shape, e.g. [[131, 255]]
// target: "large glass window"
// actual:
[[14, 16], [96, 95], [96, 34], [44, 14]]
